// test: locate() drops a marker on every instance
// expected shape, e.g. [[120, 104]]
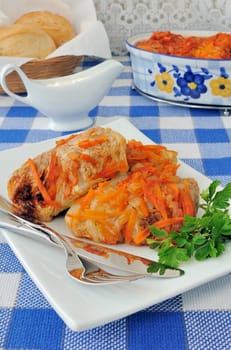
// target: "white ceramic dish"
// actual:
[[202, 81], [83, 307], [66, 101]]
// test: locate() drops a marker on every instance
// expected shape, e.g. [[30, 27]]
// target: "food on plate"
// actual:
[[113, 189], [217, 46], [57, 26], [25, 41], [150, 193], [48, 184]]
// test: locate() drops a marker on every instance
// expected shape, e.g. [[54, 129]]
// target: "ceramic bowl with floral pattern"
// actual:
[[180, 79]]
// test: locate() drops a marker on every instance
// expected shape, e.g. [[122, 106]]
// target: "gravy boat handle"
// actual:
[[9, 68]]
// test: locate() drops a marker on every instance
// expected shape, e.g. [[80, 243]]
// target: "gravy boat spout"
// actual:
[[66, 101]]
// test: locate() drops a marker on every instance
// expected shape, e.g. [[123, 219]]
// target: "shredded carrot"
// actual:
[[217, 46], [110, 168], [186, 199], [85, 201], [86, 143], [108, 230], [154, 195], [168, 222], [115, 197], [88, 159], [141, 236], [94, 214], [143, 207], [52, 175], [64, 141], [40, 185], [132, 217], [159, 201]]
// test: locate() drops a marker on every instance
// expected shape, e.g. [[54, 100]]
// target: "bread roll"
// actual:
[[25, 41], [58, 27]]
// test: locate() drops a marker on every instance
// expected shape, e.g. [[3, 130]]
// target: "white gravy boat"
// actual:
[[66, 101]]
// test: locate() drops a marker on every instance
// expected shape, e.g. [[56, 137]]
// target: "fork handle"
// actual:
[[28, 231]]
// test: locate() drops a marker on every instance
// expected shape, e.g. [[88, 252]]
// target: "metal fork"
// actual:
[[84, 270], [93, 274]]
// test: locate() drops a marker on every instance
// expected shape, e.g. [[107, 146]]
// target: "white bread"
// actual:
[[25, 41], [58, 27]]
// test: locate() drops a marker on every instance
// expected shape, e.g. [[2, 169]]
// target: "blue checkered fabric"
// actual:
[[196, 320]]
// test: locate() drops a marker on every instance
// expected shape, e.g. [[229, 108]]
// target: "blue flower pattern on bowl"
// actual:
[[190, 84]]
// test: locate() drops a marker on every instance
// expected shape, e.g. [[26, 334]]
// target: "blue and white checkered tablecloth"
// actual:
[[199, 319]]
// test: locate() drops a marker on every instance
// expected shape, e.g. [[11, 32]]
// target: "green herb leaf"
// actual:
[[198, 239], [158, 233], [221, 199]]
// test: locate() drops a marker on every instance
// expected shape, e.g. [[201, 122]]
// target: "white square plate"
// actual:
[[83, 307]]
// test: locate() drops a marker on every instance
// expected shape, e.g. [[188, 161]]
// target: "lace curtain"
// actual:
[[123, 18]]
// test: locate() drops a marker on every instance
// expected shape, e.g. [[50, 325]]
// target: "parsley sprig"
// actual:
[[199, 237]]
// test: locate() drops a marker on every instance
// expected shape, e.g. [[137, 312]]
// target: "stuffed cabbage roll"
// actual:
[[48, 184], [122, 209]]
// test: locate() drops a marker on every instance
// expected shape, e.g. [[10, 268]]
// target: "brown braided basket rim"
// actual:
[[42, 69]]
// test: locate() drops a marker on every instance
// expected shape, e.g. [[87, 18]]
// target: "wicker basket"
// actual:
[[43, 69]]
